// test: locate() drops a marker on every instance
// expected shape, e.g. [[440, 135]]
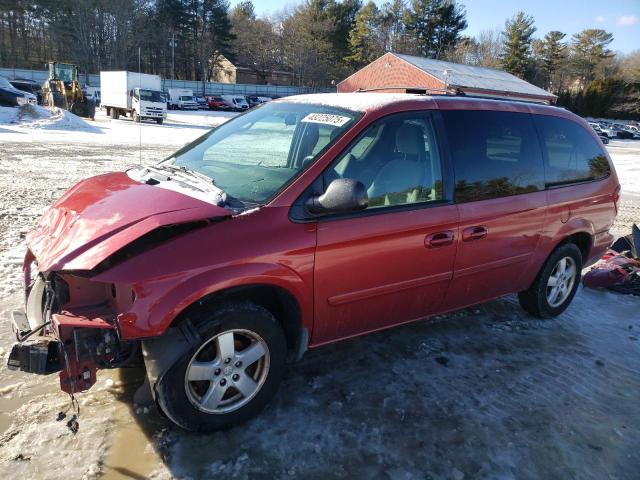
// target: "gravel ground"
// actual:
[[483, 393]]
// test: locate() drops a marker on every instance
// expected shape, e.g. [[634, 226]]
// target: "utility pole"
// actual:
[[172, 44]]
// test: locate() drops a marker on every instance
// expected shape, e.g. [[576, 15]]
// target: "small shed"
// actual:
[[394, 72]]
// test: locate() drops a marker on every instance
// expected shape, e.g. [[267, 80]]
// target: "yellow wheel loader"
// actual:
[[62, 90]]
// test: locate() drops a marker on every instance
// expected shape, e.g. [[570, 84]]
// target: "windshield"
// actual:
[[25, 87], [186, 98], [150, 96], [65, 72], [4, 83], [255, 155]]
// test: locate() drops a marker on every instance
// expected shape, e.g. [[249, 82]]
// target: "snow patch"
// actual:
[[8, 115], [34, 116]]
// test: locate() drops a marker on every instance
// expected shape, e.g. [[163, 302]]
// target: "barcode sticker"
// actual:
[[326, 118]]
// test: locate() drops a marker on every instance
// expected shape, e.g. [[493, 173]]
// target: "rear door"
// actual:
[[391, 263], [499, 190]]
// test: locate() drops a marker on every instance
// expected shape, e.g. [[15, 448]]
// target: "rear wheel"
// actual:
[[56, 99], [114, 113], [556, 284], [231, 375]]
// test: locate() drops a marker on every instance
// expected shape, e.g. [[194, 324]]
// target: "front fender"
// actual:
[[159, 302]]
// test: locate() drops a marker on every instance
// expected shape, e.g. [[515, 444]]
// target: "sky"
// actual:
[[620, 17]]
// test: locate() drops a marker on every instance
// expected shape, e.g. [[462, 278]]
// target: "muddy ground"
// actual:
[[488, 392]]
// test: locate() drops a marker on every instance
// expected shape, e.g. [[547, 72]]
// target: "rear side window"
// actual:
[[495, 154], [571, 153]]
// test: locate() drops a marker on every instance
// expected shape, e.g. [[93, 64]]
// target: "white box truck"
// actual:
[[138, 95], [182, 99]]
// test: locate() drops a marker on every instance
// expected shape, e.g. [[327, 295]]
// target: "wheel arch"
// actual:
[[578, 231], [583, 240], [276, 299], [165, 303]]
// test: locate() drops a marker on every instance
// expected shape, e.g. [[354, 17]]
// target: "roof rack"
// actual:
[[416, 89], [457, 92]]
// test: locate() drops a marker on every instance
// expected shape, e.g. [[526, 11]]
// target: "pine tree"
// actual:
[[589, 49], [553, 55], [364, 39], [435, 26], [516, 44], [449, 21]]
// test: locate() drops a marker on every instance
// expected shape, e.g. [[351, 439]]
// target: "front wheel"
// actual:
[[556, 284], [231, 375]]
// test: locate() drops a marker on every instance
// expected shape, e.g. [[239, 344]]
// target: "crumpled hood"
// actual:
[[102, 214]]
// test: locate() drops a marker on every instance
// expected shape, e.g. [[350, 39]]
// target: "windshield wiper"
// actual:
[[187, 171], [195, 179]]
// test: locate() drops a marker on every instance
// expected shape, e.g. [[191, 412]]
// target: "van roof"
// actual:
[[370, 101]]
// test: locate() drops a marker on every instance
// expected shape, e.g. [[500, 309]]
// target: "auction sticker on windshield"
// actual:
[[327, 119]]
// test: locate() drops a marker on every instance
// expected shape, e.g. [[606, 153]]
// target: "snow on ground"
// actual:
[[486, 392], [63, 127], [626, 156]]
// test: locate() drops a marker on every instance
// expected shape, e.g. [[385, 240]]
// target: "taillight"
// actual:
[[616, 197]]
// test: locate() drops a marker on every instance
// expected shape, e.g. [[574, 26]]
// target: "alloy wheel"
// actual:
[[227, 371], [561, 281]]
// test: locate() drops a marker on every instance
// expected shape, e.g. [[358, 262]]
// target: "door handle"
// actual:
[[439, 239], [474, 233]]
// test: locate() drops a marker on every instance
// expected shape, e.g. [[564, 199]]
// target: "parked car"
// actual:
[[202, 103], [635, 133], [595, 126], [254, 101], [623, 133], [303, 222], [609, 131], [604, 139], [29, 86], [10, 96], [216, 102], [93, 93], [235, 102]]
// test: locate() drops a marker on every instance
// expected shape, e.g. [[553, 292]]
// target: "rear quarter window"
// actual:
[[571, 154], [495, 154]]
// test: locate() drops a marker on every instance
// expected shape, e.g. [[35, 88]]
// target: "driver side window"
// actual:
[[397, 161]]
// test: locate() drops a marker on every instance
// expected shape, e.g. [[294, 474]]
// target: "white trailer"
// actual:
[[138, 95], [182, 99]]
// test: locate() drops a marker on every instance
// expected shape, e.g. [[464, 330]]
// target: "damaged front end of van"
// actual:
[[78, 315]]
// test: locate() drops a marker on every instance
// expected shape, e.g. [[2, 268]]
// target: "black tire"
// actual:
[[90, 109], [159, 121], [534, 300], [56, 99], [171, 390], [136, 117], [114, 113], [77, 108]]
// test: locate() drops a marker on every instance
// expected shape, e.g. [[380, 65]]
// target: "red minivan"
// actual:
[[302, 222]]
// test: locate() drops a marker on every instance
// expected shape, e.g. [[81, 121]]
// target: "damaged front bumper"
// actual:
[[78, 339], [74, 345]]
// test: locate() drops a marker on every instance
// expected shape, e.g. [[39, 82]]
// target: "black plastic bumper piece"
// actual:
[[37, 355]]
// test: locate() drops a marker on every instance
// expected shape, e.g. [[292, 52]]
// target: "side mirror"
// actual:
[[342, 195]]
